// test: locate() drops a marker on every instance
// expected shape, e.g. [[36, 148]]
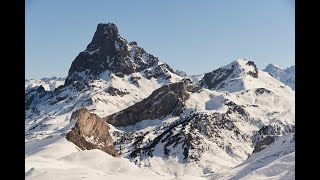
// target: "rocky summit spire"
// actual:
[[104, 36], [108, 51]]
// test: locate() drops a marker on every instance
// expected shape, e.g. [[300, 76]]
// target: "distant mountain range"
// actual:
[[49, 84], [123, 113], [287, 76]]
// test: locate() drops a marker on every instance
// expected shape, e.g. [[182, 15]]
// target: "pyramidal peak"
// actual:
[[242, 66], [230, 77], [108, 51], [104, 32]]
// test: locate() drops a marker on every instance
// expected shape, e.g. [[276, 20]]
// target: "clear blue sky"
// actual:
[[195, 36]]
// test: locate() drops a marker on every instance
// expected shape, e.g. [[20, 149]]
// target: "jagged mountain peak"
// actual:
[[180, 73], [242, 66], [273, 66], [291, 68], [233, 73], [274, 70], [108, 51], [109, 28], [48, 83], [104, 32], [242, 75]]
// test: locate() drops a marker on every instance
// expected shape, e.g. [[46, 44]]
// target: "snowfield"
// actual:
[[63, 160]]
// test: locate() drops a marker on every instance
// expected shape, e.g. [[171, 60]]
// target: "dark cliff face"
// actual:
[[268, 134], [33, 96], [215, 79], [168, 99], [90, 132], [109, 51]]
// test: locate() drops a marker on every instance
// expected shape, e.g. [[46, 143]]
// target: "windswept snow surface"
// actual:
[[62, 160], [276, 161]]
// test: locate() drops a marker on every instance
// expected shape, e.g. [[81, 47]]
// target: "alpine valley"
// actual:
[[122, 113]]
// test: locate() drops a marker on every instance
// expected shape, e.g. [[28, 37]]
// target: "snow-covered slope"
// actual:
[[287, 76], [276, 161], [240, 75], [216, 129], [187, 131], [48, 112], [49, 84], [63, 160]]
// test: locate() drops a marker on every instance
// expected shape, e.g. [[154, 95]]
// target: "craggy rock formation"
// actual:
[[168, 99], [253, 73], [186, 135], [263, 143], [90, 132], [160, 71], [108, 51], [215, 79], [268, 134], [33, 96], [114, 91]]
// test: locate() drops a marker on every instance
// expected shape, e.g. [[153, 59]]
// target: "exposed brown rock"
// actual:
[[168, 99], [91, 132]]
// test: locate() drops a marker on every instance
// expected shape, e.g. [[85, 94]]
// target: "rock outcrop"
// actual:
[[267, 134], [90, 132], [160, 71], [169, 99], [33, 95]]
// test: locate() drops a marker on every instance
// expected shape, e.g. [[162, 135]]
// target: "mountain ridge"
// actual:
[[165, 124]]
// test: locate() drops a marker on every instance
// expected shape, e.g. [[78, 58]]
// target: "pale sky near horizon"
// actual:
[[195, 36]]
